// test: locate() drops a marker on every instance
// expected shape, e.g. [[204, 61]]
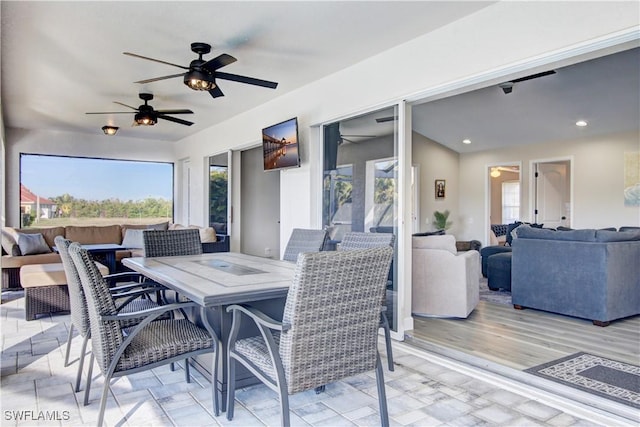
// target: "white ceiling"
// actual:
[[62, 59], [605, 92]]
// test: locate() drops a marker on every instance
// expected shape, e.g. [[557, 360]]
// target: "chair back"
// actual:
[[77, 302], [172, 242], [358, 240], [106, 335], [333, 307], [304, 240]]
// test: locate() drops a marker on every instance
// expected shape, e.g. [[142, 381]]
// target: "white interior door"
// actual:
[[552, 194]]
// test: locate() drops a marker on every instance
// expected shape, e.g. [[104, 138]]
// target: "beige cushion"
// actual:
[[48, 274], [9, 261], [445, 242], [32, 244], [90, 235]]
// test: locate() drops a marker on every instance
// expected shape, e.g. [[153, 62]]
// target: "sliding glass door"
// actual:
[[360, 182]]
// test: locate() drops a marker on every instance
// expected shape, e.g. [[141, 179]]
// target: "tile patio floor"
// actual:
[[423, 391]]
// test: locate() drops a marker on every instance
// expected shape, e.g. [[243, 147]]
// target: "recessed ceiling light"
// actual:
[[581, 123], [466, 141]]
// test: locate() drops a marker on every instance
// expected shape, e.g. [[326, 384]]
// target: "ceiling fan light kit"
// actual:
[[146, 115], [144, 119], [201, 75], [110, 130]]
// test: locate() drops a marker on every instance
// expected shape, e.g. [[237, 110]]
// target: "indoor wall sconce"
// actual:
[[110, 130]]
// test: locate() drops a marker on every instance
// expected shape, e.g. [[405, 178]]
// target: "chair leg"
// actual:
[[85, 340], [89, 374], [187, 376], [103, 400], [231, 387], [384, 322], [284, 407], [382, 395], [69, 338]]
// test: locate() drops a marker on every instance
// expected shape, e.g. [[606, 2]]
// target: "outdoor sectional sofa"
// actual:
[[590, 274], [12, 259]]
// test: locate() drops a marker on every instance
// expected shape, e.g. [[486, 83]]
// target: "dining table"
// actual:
[[215, 281]]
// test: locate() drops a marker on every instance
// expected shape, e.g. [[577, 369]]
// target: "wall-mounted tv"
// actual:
[[280, 145]]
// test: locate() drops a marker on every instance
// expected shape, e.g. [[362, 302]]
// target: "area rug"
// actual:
[[604, 377], [497, 297]]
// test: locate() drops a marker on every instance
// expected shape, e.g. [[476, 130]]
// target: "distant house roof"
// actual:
[[27, 196]]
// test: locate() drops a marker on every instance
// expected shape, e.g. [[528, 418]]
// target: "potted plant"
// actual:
[[441, 220]]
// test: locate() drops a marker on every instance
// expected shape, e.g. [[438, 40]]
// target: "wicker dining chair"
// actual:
[[149, 344], [358, 240], [304, 240], [172, 242], [129, 301], [329, 329]]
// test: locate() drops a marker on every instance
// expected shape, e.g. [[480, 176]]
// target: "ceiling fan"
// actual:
[[201, 75], [145, 115]]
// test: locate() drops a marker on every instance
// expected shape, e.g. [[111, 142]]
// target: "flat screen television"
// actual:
[[280, 145]]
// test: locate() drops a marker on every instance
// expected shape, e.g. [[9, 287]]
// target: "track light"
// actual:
[[507, 87], [110, 130]]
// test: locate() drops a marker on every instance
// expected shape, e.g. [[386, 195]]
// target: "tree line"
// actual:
[[68, 206]]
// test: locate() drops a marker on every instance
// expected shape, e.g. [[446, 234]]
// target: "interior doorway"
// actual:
[[260, 206], [504, 182]]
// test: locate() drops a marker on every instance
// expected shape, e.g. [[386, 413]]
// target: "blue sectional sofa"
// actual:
[[591, 274]]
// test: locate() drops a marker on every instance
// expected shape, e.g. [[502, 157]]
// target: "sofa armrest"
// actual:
[[221, 245]]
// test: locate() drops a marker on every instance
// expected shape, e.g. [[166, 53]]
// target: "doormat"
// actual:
[[604, 377]]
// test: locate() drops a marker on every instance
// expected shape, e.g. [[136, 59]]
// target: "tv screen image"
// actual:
[[280, 145]]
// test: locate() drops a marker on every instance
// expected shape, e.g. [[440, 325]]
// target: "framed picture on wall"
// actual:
[[440, 188]]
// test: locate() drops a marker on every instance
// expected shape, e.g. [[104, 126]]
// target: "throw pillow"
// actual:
[[32, 244], [207, 234], [510, 233], [9, 243], [133, 239], [162, 226]]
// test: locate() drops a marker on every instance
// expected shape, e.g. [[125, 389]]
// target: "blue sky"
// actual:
[[96, 179]]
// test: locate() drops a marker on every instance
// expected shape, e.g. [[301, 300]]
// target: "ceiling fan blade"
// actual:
[[218, 62], [113, 112], [174, 111], [216, 92], [534, 76], [386, 119], [135, 55], [155, 79], [247, 80], [125, 105], [175, 120]]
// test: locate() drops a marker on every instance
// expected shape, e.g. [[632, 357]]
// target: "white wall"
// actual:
[[598, 180], [72, 144], [495, 37], [437, 162]]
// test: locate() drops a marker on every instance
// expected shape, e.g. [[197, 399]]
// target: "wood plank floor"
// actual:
[[521, 339]]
